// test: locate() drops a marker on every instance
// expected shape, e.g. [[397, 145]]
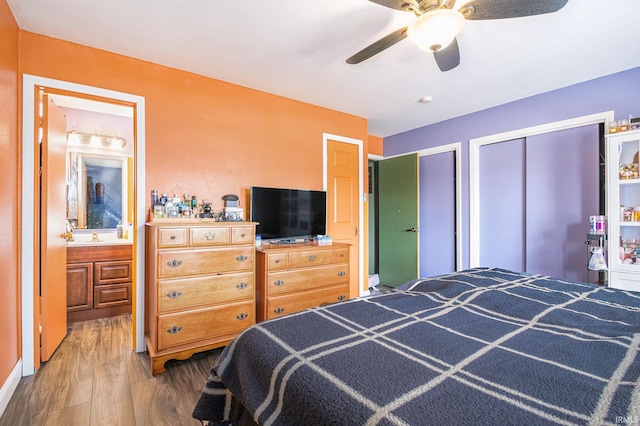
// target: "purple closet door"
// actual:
[[437, 214], [562, 192], [502, 205]]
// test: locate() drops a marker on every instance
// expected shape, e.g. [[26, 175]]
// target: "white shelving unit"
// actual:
[[623, 187]]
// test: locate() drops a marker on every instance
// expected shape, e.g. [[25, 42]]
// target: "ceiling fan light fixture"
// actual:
[[436, 29]]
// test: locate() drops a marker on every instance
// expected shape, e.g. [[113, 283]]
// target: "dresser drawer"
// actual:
[[184, 293], [210, 236], [288, 304], [341, 255], [277, 261], [308, 278], [177, 263], [192, 326], [310, 258], [172, 237], [112, 272], [243, 235]]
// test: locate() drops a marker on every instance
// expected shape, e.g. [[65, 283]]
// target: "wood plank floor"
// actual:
[[94, 378]]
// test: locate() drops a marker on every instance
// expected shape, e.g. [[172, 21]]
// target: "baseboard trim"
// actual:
[[9, 387]]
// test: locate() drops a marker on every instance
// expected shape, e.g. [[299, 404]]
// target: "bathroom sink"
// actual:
[[101, 238]]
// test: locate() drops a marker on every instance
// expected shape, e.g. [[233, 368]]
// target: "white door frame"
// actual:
[[326, 137], [456, 148], [30, 84], [474, 166]]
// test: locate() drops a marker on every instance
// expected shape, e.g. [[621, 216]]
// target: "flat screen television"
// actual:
[[288, 214]]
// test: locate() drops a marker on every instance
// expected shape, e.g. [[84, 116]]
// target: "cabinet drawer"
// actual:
[[205, 261], [277, 261], [184, 293], [192, 326], [105, 296], [112, 272], [243, 235], [310, 258], [283, 305], [172, 237], [307, 278], [213, 236]]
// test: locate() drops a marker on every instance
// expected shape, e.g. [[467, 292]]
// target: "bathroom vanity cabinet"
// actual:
[[99, 281]]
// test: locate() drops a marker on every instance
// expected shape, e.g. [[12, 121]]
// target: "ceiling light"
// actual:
[[434, 30], [425, 99]]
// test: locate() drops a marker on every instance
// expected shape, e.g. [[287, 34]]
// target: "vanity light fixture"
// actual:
[[94, 140], [117, 143], [73, 139]]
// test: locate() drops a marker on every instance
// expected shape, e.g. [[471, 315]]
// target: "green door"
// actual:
[[398, 220]]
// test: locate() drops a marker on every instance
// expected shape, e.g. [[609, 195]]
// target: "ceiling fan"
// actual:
[[437, 24]]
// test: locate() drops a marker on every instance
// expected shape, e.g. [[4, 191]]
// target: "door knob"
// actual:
[[411, 230]]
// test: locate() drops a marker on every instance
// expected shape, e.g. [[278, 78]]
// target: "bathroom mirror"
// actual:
[[97, 191]]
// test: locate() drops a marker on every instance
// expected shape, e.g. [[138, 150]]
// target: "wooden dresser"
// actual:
[[99, 281], [200, 290], [300, 276]]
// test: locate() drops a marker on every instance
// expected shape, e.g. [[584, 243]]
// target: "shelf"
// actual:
[[630, 224], [629, 181]]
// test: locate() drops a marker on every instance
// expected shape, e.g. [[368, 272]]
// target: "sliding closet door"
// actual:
[[502, 205], [437, 214], [562, 192]]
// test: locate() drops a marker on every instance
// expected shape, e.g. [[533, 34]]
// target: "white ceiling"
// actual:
[[298, 48]]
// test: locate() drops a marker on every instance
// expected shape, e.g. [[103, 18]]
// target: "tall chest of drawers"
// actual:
[[200, 287], [300, 276]]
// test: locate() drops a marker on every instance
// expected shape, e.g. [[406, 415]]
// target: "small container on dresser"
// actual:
[[200, 290], [295, 277]]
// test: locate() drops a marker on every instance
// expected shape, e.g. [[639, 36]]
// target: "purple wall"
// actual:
[[618, 92]]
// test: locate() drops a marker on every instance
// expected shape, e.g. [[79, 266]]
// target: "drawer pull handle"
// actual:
[[278, 283], [173, 237], [174, 294], [175, 329], [278, 310], [277, 260], [342, 274], [243, 235], [242, 258], [174, 263], [242, 285], [210, 236], [312, 258], [341, 254], [242, 316], [341, 297]]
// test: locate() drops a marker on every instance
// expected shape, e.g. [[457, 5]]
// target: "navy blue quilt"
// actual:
[[482, 346]]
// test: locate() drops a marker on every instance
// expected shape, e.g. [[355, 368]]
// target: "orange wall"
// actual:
[[9, 302], [203, 136], [375, 145]]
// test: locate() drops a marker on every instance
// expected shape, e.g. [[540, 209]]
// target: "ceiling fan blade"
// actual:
[[449, 57], [396, 4], [377, 47], [501, 9]]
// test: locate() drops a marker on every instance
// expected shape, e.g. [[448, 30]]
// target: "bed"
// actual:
[[481, 346]]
